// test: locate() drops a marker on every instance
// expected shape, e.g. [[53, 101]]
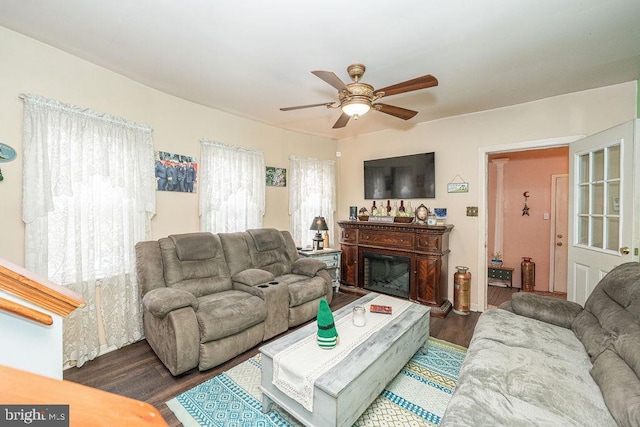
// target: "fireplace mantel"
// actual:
[[427, 247]]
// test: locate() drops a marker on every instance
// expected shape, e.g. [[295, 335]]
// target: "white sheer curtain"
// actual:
[[232, 188], [88, 197], [312, 192]]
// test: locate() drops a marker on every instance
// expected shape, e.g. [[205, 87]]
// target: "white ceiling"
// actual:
[[250, 57]]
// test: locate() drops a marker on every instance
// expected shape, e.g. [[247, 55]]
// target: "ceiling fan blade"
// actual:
[[342, 121], [298, 107], [331, 78], [399, 112], [410, 85]]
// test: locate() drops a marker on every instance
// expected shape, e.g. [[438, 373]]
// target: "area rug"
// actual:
[[417, 396]]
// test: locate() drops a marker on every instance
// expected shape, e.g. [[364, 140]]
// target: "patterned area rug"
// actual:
[[417, 396]]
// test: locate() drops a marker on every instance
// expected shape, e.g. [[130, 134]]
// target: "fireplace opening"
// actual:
[[387, 274]]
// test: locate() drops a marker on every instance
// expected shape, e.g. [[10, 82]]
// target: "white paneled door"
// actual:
[[559, 236], [601, 207]]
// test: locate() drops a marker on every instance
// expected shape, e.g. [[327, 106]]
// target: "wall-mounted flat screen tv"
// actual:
[[404, 177]]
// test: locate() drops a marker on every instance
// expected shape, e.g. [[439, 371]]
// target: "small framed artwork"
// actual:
[[440, 213], [276, 177], [458, 187]]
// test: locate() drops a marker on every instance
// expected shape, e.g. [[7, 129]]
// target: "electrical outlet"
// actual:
[[472, 211]]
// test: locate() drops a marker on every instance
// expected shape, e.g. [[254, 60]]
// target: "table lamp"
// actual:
[[319, 224]]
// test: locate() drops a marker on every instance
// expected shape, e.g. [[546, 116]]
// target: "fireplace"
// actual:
[[387, 274]]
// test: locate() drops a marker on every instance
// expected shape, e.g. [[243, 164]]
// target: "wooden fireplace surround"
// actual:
[[426, 246]]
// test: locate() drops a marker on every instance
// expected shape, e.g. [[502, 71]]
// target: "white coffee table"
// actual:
[[346, 390]]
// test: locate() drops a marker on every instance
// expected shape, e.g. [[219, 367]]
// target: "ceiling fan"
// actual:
[[357, 98]]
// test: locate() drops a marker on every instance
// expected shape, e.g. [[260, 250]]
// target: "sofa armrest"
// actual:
[[506, 306], [546, 309], [162, 301], [307, 266], [252, 277]]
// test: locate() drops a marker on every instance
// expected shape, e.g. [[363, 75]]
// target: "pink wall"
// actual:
[[526, 236]]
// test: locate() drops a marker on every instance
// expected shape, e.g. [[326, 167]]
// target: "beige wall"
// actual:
[[456, 142], [29, 66]]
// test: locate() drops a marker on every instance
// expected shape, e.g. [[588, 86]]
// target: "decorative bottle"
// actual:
[[382, 211], [401, 208], [394, 209], [410, 209], [374, 209], [388, 207]]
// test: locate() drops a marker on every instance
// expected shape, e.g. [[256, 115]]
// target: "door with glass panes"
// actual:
[[601, 203]]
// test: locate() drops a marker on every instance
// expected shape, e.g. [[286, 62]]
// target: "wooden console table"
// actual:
[[504, 274], [427, 248]]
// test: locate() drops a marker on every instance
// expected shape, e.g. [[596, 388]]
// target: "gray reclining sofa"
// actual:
[[541, 361], [210, 297]]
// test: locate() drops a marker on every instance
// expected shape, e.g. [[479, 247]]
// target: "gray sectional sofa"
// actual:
[[548, 362], [210, 297]]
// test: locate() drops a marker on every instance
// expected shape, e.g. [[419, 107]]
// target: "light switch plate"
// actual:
[[472, 211]]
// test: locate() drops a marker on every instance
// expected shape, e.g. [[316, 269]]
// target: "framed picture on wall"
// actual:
[[276, 177], [176, 172]]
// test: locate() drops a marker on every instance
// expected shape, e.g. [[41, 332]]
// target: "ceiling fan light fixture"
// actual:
[[356, 107]]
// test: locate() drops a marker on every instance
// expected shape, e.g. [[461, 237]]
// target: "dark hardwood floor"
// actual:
[[496, 295], [135, 371]]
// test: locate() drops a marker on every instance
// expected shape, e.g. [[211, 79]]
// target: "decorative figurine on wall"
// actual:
[[525, 209], [7, 154]]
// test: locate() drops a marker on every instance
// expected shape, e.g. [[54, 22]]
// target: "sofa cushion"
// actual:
[[305, 290], [620, 386], [627, 346], [226, 313], [307, 266], [266, 239], [268, 251], [594, 338], [195, 246], [252, 277], [190, 270], [236, 251], [613, 305], [520, 371]]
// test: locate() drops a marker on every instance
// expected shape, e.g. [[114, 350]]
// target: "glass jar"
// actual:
[[359, 315]]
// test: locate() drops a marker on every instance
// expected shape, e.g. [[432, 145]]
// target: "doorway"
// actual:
[[525, 214]]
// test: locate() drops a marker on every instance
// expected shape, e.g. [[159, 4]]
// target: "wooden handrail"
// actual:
[[40, 291], [26, 312], [87, 406]]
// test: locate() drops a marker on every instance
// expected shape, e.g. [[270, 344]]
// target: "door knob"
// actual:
[[624, 250], [559, 244], [559, 236]]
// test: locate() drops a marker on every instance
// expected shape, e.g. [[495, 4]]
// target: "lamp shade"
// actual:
[[319, 224], [356, 107]]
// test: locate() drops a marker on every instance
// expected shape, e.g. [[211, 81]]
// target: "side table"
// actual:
[[504, 274], [331, 257]]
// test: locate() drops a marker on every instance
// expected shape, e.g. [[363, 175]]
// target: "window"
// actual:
[[312, 193], [232, 188], [88, 197], [598, 198]]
